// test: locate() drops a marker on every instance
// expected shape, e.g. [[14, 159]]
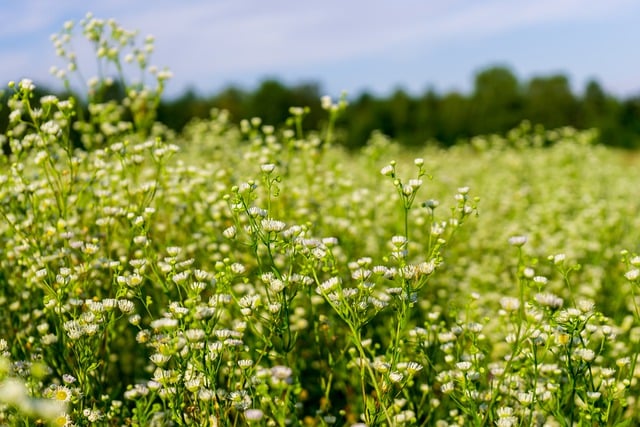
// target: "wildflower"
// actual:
[[26, 84], [267, 167], [205, 395], [504, 411], [447, 387], [525, 398], [408, 189], [74, 329], [329, 285], [415, 183], [240, 399], [585, 354], [550, 300], [463, 366], [507, 422], [272, 225], [194, 335], [632, 275], [126, 306], [237, 268], [253, 414], [426, 268], [193, 385], [517, 240], [159, 359], [164, 323], [540, 280], [245, 363], [593, 395], [413, 368], [387, 170], [431, 204], [510, 304], [396, 377], [281, 374], [255, 211]]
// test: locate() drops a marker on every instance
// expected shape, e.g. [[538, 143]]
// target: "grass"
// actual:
[[264, 276]]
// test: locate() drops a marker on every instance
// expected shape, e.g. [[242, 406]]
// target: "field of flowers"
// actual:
[[264, 276]]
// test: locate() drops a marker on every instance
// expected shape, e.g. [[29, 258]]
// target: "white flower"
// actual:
[[50, 127], [632, 275], [253, 414], [229, 232], [510, 304], [270, 225], [396, 377], [540, 280], [267, 167], [26, 84], [329, 285], [549, 300], [517, 240], [164, 323], [325, 102], [387, 170]]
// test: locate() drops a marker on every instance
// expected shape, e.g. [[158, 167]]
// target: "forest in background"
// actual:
[[497, 103]]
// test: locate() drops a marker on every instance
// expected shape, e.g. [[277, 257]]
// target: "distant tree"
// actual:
[[496, 102], [360, 120], [270, 102], [234, 100], [427, 116], [177, 113], [594, 103], [550, 102], [454, 118], [601, 111], [402, 117], [630, 123]]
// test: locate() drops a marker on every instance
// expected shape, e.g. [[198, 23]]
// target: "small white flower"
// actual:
[[632, 275], [549, 300], [267, 167], [253, 414], [510, 304], [272, 225], [396, 377], [540, 280], [517, 240], [387, 170], [26, 84]]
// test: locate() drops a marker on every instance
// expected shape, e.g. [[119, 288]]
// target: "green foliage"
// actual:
[[498, 103], [263, 275]]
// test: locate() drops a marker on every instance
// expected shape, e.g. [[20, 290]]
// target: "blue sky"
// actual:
[[348, 45]]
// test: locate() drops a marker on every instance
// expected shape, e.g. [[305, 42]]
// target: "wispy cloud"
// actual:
[[212, 40], [232, 36]]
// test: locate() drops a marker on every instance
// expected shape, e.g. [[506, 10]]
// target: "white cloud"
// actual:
[[211, 40], [230, 36]]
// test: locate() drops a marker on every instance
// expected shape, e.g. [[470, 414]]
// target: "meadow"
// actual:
[[258, 275]]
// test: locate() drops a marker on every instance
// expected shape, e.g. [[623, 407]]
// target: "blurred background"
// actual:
[[420, 71]]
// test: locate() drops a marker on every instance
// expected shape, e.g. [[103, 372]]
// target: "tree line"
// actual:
[[497, 103]]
